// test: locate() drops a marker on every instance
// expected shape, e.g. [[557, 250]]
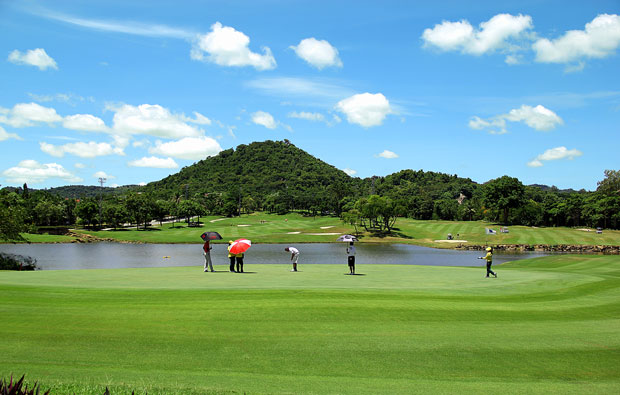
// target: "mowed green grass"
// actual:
[[546, 325], [295, 228]]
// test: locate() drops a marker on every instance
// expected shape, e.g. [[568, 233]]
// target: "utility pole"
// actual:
[[102, 180]]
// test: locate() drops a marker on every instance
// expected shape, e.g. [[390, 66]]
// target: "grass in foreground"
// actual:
[[547, 325], [295, 228]]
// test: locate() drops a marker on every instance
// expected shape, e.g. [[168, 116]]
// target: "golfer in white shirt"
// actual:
[[294, 256]]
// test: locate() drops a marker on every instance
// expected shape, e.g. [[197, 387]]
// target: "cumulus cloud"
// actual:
[[265, 119], [28, 114], [154, 162], [350, 172], [81, 149], [599, 39], [84, 122], [152, 120], [387, 155], [226, 46], [365, 109], [318, 53], [32, 172], [539, 118], [33, 57], [192, 148], [497, 34], [557, 153], [4, 135]]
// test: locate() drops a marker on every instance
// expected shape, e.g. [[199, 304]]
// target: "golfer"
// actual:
[[294, 256], [231, 257], [351, 257], [489, 258], [207, 253]]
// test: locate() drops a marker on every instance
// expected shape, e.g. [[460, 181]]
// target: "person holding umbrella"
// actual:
[[350, 251], [489, 258], [294, 256], [206, 248], [236, 249]]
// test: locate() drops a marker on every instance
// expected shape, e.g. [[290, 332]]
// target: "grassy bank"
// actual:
[[547, 325], [295, 228]]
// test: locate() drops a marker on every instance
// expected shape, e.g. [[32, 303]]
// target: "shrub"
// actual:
[[18, 388], [17, 262]]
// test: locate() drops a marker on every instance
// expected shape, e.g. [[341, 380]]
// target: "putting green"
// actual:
[[546, 325]]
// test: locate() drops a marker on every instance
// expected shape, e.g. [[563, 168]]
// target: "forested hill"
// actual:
[[257, 169]]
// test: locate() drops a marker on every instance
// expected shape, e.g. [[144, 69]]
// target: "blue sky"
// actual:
[[133, 91]]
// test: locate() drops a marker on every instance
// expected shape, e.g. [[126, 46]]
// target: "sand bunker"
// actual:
[[322, 234], [450, 241], [293, 233], [585, 230], [244, 225], [219, 219], [326, 227]]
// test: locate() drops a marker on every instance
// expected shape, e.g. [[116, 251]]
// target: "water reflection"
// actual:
[[115, 255]]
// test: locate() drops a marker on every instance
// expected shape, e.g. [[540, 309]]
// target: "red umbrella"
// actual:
[[240, 246]]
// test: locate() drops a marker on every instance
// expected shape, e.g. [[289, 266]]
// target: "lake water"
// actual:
[[116, 255]]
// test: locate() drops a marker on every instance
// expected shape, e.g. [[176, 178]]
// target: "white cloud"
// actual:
[[350, 172], [79, 165], [28, 114], [226, 46], [127, 27], [301, 87], [265, 119], [33, 57], [557, 153], [142, 183], [539, 118], [387, 155], [154, 162], [84, 122], [192, 148], [102, 174], [81, 149], [365, 109], [198, 119], [600, 39], [497, 34], [32, 172], [309, 116], [152, 120], [318, 53], [4, 135], [535, 163]]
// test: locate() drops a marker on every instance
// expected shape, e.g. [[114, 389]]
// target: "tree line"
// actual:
[[277, 177]]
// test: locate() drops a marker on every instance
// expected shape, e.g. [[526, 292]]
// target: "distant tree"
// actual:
[[11, 216], [504, 193], [610, 185], [87, 210]]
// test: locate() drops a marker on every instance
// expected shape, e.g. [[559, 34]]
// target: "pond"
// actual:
[[117, 255]]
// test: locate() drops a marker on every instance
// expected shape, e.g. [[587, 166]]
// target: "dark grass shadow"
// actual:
[[394, 233], [354, 274]]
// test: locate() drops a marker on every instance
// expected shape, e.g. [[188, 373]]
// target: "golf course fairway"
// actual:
[[545, 325]]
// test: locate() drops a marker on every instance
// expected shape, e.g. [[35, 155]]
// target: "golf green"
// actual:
[[546, 325]]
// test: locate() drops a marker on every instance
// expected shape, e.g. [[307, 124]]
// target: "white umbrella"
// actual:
[[347, 238]]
